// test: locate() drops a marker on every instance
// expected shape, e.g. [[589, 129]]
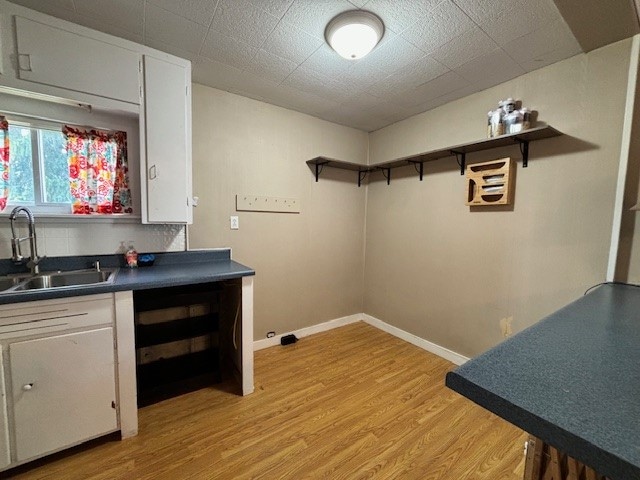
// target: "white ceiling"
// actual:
[[433, 51]]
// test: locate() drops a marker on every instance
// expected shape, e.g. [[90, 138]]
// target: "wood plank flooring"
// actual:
[[350, 403]]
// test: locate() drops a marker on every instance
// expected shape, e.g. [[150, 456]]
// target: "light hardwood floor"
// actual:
[[350, 403]]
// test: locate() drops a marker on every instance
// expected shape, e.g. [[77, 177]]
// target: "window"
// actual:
[[39, 170], [58, 169]]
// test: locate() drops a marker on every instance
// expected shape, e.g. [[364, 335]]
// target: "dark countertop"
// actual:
[[169, 269], [572, 380]]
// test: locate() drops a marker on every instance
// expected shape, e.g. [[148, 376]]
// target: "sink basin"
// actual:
[[66, 279], [8, 282]]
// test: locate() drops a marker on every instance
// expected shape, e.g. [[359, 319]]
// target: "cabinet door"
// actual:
[[5, 458], [166, 173], [59, 58], [63, 390]]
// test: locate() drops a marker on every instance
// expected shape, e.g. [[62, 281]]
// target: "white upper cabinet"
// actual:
[[59, 58], [166, 157]]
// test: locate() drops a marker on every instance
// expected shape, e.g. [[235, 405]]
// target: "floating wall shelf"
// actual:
[[459, 151]]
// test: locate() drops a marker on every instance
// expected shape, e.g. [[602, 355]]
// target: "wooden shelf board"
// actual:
[[537, 133], [332, 162], [530, 135]]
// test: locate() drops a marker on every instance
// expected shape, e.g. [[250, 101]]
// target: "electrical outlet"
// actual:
[[234, 222]]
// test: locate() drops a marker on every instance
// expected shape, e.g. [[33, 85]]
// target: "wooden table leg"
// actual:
[[544, 462], [574, 469], [533, 462]]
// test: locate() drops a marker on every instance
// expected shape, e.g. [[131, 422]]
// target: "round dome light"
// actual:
[[354, 34]]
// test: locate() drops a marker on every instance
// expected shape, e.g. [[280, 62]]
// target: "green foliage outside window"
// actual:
[[48, 147], [56, 168], [21, 166]]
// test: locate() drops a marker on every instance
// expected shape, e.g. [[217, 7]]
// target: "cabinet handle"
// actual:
[[24, 62], [153, 172], [27, 387]]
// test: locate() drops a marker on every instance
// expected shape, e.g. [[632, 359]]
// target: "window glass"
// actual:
[[55, 178], [21, 171]]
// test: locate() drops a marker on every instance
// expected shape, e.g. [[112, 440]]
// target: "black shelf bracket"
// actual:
[[524, 150], [362, 174], [386, 171], [319, 168], [461, 158], [419, 169]]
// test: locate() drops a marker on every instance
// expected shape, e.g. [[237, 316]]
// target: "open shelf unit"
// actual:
[[177, 332], [459, 151]]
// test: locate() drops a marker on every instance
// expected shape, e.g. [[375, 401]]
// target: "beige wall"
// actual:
[[449, 275], [308, 266], [433, 267]]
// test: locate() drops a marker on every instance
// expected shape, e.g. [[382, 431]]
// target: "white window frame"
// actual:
[[37, 164], [39, 207]]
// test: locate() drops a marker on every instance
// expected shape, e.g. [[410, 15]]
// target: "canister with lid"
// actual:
[[489, 129], [497, 123], [526, 118], [508, 105], [513, 121]]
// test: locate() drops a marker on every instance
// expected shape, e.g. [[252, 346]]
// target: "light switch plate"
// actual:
[[257, 203], [234, 222]]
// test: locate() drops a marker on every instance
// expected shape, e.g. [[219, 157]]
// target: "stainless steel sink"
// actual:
[[9, 281], [58, 280]]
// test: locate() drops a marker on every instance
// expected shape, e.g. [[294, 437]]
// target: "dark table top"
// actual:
[[572, 380]]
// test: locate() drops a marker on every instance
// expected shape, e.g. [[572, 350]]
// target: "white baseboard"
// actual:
[[373, 321], [305, 332], [417, 341]]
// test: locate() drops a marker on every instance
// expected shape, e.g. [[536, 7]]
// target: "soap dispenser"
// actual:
[[131, 256]]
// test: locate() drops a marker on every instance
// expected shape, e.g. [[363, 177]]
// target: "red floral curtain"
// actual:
[[121, 191], [4, 162], [98, 171]]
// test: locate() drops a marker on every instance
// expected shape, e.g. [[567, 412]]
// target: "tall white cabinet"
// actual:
[[167, 133]]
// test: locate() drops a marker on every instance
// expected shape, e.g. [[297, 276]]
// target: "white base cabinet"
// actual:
[[58, 375], [63, 390], [5, 454]]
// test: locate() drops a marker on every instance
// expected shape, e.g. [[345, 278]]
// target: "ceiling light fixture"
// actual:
[[354, 34]]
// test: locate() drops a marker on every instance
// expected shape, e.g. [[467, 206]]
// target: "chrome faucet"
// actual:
[[17, 257]]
